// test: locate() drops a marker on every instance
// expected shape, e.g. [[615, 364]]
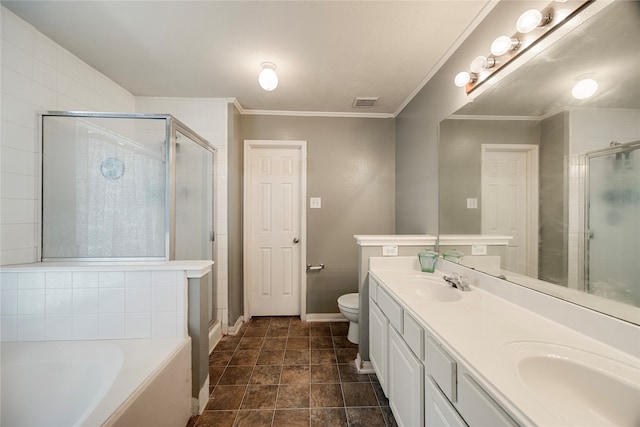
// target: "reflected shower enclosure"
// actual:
[[124, 186]]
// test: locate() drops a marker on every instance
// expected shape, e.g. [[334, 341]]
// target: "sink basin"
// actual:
[[581, 387], [426, 289]]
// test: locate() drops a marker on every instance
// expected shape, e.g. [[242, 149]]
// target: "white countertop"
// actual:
[[478, 329]]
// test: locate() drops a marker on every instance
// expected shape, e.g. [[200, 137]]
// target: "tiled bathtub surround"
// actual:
[[90, 303], [280, 371]]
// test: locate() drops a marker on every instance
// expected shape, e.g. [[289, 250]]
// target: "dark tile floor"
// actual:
[[280, 371]]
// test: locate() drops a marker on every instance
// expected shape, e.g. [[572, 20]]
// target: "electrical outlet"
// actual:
[[478, 249], [315, 202], [472, 203], [389, 251]]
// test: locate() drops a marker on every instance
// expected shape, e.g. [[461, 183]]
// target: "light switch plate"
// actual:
[[315, 202], [478, 249], [472, 203], [389, 250]]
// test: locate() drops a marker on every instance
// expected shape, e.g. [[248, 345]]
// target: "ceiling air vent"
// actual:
[[364, 102]]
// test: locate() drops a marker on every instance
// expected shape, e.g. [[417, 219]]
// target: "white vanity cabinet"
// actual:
[[405, 383], [378, 344]]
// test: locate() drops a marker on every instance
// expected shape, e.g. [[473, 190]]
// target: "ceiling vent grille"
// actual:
[[364, 102]]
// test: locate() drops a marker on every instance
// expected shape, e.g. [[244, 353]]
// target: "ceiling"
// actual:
[[326, 52]]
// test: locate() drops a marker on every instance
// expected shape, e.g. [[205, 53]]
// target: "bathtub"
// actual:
[[96, 383]]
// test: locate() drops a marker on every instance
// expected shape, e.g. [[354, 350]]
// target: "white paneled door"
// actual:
[[274, 217], [509, 204]]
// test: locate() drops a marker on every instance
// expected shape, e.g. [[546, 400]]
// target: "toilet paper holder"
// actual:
[[315, 267]]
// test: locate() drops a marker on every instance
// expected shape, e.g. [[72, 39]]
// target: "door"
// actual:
[[405, 376], [274, 218], [509, 204], [378, 343]]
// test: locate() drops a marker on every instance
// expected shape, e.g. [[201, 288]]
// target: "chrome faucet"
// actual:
[[459, 282]]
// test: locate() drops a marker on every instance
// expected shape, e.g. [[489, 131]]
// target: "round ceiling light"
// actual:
[[528, 21], [584, 89], [268, 79], [503, 44], [462, 78]]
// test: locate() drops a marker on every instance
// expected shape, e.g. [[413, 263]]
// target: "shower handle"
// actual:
[[296, 240]]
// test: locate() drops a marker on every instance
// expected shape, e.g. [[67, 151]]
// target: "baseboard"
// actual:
[[325, 317], [215, 335], [363, 367], [236, 327]]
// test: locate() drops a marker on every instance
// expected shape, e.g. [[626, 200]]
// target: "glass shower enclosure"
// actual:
[[127, 187]]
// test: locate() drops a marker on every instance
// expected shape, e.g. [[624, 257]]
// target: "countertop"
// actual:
[[481, 330]]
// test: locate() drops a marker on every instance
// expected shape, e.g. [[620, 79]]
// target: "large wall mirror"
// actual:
[[558, 175]]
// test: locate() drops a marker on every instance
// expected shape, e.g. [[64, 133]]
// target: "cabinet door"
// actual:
[[378, 344], [438, 411], [406, 383]]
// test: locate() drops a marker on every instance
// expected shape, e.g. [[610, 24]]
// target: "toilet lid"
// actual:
[[349, 301]]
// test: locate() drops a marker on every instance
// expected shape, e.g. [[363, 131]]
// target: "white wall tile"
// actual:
[[31, 328], [137, 325], [31, 301], [16, 59], [8, 328], [111, 300], [9, 303], [59, 327], [18, 161], [164, 278], [16, 236], [111, 326], [86, 327], [18, 211], [8, 280], [138, 279], [45, 75], [111, 279], [86, 279], [164, 299], [18, 256], [16, 186], [138, 300], [164, 325], [16, 136], [59, 301], [31, 280], [86, 301], [58, 280], [17, 31], [45, 50]]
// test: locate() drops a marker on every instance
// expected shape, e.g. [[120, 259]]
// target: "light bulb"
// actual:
[[528, 21], [584, 89], [462, 78], [481, 63], [268, 79], [503, 44]]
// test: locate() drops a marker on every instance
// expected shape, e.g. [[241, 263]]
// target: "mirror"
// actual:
[[557, 176]]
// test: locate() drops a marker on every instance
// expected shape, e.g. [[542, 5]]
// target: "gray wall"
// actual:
[[350, 166], [460, 165], [554, 188], [235, 161], [417, 124]]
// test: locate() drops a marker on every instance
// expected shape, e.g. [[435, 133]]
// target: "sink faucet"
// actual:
[[459, 282]]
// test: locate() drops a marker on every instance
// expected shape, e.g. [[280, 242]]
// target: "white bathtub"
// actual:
[[96, 383]]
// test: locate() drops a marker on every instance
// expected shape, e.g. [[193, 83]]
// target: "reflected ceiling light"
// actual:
[[531, 19], [268, 78], [504, 44], [481, 63], [584, 89], [462, 78]]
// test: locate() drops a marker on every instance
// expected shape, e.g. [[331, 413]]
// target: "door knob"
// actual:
[[296, 240]]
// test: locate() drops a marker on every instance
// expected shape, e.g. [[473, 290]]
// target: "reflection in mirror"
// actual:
[[559, 177]]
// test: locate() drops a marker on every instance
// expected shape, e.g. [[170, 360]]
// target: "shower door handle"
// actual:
[[296, 240]]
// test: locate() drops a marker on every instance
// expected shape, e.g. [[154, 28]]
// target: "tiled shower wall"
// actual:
[[38, 74], [92, 304]]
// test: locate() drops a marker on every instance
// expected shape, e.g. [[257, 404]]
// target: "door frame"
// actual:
[[531, 150], [249, 146]]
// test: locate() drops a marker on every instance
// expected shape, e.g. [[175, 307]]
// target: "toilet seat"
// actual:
[[349, 301]]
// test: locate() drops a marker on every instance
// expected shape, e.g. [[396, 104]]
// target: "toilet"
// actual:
[[349, 305]]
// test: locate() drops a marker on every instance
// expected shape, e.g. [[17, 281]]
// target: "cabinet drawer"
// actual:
[[373, 289], [390, 308], [477, 407], [413, 336], [441, 367]]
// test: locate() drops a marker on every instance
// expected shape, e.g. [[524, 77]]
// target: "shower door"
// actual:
[[194, 206], [613, 224]]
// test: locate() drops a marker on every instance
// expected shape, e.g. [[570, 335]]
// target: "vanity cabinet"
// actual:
[[425, 384]]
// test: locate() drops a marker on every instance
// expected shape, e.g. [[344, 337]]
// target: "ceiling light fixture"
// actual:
[[531, 19], [463, 78], [481, 63], [268, 78], [504, 44], [585, 88]]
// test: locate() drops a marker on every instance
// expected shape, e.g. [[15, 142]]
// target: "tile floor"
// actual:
[[280, 371]]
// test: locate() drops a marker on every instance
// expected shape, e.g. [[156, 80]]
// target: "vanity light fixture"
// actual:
[[585, 88], [504, 44], [463, 78], [481, 63], [268, 79], [532, 26]]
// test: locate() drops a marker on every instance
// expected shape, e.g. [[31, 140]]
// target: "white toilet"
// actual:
[[349, 305]]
